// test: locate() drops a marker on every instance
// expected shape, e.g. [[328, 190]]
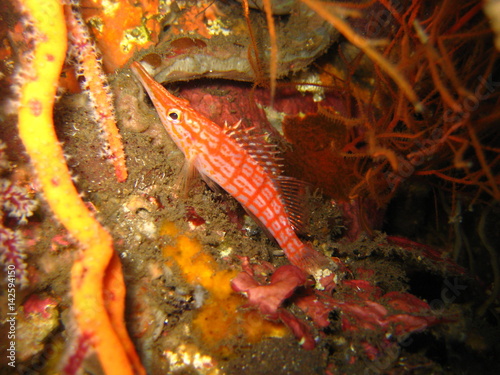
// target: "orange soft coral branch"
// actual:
[[89, 66], [254, 60], [37, 92], [274, 46], [366, 46], [476, 143]]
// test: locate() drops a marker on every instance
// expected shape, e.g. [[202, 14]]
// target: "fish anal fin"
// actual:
[[294, 194]]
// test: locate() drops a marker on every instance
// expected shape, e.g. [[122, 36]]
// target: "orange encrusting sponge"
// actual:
[[219, 319]]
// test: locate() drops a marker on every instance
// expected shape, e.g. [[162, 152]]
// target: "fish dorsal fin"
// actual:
[[254, 142], [294, 192]]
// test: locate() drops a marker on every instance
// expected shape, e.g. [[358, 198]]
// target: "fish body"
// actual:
[[241, 163]]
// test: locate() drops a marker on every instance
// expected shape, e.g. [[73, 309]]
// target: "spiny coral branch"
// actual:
[[11, 253], [37, 133], [89, 67], [73, 363], [16, 203]]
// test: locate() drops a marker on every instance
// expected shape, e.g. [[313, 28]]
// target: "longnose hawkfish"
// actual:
[[240, 161]]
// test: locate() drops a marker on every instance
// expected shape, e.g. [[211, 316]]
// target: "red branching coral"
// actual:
[[268, 298], [361, 305], [73, 362]]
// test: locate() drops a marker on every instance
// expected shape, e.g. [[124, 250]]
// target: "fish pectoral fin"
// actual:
[[187, 177], [214, 186]]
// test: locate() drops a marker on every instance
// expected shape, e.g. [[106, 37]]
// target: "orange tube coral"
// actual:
[[38, 87]]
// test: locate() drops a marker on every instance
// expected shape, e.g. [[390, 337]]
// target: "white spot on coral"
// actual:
[[199, 296], [217, 27], [226, 252], [188, 357], [320, 274]]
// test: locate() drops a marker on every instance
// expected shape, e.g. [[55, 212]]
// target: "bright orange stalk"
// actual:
[[36, 130]]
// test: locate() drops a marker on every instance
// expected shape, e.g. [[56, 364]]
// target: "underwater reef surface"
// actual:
[[115, 261]]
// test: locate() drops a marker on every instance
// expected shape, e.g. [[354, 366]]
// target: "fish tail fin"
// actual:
[[321, 267]]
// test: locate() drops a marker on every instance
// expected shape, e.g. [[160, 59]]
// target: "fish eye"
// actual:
[[174, 115]]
